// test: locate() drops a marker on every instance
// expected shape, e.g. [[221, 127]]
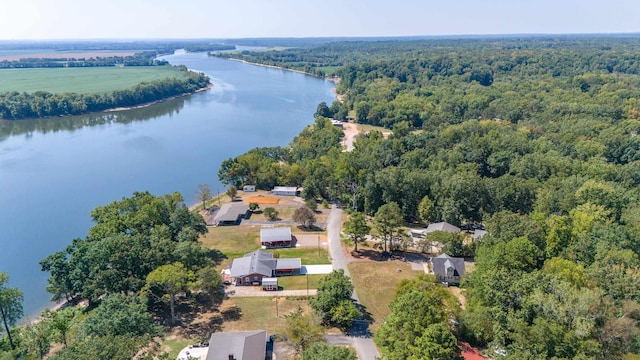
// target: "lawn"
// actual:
[[375, 283], [174, 345], [82, 80], [260, 313], [299, 282], [233, 241], [309, 256]]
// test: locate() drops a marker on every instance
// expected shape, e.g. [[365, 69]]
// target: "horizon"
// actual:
[[42, 20]]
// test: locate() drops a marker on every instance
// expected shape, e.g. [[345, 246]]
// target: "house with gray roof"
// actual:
[[276, 237], [230, 214], [440, 226], [254, 266], [241, 345], [448, 269]]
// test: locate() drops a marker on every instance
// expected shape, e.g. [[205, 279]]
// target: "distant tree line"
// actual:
[[145, 58], [15, 105]]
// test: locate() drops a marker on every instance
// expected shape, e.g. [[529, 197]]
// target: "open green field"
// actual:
[[375, 283], [90, 80]]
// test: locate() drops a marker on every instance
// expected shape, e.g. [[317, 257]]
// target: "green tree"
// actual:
[[254, 206], [356, 229], [270, 213], [333, 302], [387, 222], [436, 342], [210, 281], [119, 315], [323, 351], [35, 338], [302, 330], [427, 210], [323, 110], [10, 305], [304, 216], [61, 322], [171, 280]]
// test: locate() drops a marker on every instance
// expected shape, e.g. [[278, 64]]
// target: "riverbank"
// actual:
[[141, 106]]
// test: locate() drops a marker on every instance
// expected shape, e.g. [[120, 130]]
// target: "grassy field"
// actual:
[[299, 282], [260, 313], [82, 80], [375, 284], [233, 241], [309, 256]]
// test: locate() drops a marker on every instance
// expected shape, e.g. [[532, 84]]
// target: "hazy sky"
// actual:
[[79, 19]]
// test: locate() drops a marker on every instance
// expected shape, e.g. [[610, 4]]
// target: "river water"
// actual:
[[53, 172]]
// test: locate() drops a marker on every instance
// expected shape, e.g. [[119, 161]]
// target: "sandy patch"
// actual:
[[259, 199], [350, 133]]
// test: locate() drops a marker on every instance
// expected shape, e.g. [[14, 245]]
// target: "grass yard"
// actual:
[[88, 80], [260, 313], [233, 241], [299, 282], [309, 256], [375, 283], [175, 344]]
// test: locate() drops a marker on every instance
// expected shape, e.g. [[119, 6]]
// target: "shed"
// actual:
[[249, 188], [285, 190], [276, 237], [270, 284], [230, 214]]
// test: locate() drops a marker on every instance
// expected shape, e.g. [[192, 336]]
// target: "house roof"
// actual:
[[293, 263], [257, 262], [243, 345], [442, 262], [477, 234], [442, 226], [261, 262], [231, 212], [275, 234]]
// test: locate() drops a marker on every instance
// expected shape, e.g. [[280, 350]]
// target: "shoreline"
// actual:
[[141, 106]]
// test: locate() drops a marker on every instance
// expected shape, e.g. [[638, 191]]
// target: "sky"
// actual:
[[136, 19]]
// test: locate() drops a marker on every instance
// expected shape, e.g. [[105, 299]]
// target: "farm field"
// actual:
[[90, 80]]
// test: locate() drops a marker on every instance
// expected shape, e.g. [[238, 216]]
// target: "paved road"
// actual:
[[359, 332]]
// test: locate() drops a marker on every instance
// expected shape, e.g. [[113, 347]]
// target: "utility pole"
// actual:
[[307, 284], [318, 245], [277, 314]]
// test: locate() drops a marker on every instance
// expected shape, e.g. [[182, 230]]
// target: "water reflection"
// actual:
[[71, 123]]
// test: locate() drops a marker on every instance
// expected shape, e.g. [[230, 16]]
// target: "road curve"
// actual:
[[362, 341]]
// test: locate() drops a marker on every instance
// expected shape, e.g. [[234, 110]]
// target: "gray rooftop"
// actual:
[[442, 262], [442, 226], [275, 234], [231, 212], [243, 345], [292, 263], [285, 188], [261, 262]]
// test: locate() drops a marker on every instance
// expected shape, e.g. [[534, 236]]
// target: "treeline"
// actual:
[[536, 139], [145, 58], [15, 105]]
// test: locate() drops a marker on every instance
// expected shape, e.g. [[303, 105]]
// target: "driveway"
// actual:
[[316, 269], [359, 332], [254, 291]]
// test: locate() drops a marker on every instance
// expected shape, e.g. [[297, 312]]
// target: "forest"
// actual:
[[535, 138]]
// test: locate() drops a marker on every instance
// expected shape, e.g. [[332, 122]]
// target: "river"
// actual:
[[53, 172]]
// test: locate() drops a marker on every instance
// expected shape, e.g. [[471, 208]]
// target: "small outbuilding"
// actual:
[[285, 190], [249, 188], [278, 237], [270, 284]]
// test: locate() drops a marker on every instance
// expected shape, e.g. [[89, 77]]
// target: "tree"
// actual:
[[323, 351], [387, 222], [60, 322], [254, 206], [304, 216], [323, 110], [333, 300], [232, 191], [171, 280], [36, 338], [270, 213], [436, 342], [302, 330], [356, 229], [210, 281], [204, 194], [119, 315], [427, 210], [10, 305]]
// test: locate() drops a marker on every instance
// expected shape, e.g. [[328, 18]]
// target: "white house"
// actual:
[[285, 190], [249, 188]]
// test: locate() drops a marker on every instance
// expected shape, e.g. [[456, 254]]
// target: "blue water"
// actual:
[[53, 172]]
